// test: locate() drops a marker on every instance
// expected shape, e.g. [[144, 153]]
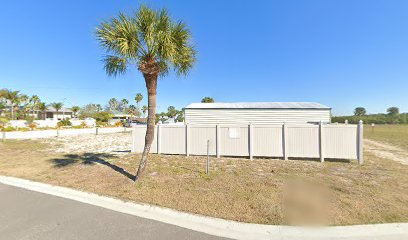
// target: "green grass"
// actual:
[[393, 134]]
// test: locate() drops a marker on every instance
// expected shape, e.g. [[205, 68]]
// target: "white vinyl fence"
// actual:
[[339, 141]]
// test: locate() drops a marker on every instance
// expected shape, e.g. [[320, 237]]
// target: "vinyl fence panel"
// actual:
[[340, 141], [294, 140], [199, 134], [303, 141], [267, 140], [173, 139], [234, 140]]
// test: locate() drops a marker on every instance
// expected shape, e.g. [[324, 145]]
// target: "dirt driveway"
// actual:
[[386, 151]]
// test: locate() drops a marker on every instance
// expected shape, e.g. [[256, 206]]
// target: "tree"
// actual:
[[132, 111], [144, 110], [14, 98], [180, 115], [57, 106], [162, 116], [153, 42], [393, 112], [171, 112], [33, 103], [207, 100], [124, 104], [42, 107], [138, 99], [75, 110], [360, 111], [89, 110], [98, 107], [113, 104]]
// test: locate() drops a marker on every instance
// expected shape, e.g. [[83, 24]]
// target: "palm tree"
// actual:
[[138, 99], [207, 100], [75, 110], [113, 104], [155, 44], [33, 103], [42, 107], [132, 112], [144, 110], [14, 98], [124, 104], [171, 112], [98, 107], [57, 106]]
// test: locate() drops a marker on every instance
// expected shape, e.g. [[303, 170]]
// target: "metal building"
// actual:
[[257, 113]]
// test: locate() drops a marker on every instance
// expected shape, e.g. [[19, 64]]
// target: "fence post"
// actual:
[[360, 142], [321, 142], [159, 138], [3, 133], [187, 139], [96, 131], [217, 140], [251, 140], [285, 141]]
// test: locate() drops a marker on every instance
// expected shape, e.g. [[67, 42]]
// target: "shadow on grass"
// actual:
[[90, 159]]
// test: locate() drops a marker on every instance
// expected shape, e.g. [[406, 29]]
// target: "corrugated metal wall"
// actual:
[[256, 116], [290, 140]]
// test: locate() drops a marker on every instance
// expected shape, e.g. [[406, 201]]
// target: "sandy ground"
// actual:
[[113, 143], [386, 151]]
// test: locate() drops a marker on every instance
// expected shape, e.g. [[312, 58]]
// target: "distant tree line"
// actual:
[[393, 116]]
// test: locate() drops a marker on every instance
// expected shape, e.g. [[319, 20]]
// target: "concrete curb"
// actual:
[[215, 226]]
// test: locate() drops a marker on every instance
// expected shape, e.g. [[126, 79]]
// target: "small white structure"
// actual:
[[257, 113]]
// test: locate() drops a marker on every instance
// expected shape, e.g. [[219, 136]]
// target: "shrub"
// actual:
[[101, 124], [9, 129], [102, 116], [32, 125], [3, 121], [83, 125], [118, 124], [64, 122]]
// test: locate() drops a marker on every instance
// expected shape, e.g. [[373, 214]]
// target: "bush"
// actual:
[[101, 124], [9, 129], [102, 116], [83, 125], [64, 123], [118, 124], [32, 125]]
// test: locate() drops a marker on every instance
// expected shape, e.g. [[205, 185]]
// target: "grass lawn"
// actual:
[[393, 134], [259, 191]]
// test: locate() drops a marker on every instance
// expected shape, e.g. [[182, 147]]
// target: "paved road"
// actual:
[[31, 215]]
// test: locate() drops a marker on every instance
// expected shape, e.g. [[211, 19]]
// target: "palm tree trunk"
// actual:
[[12, 112], [151, 85]]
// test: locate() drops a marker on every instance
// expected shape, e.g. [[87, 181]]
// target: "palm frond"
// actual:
[[115, 65]]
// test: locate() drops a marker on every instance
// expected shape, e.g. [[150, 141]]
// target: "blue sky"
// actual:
[[340, 53]]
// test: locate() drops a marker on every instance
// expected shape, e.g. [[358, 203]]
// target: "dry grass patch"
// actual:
[[392, 134], [258, 191]]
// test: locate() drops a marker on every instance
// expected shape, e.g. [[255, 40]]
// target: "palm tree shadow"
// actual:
[[90, 159]]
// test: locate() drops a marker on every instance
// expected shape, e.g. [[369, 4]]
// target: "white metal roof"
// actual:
[[258, 105], [51, 109]]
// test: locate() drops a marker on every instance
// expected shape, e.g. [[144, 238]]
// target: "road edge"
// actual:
[[215, 226]]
